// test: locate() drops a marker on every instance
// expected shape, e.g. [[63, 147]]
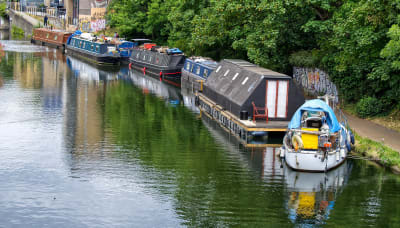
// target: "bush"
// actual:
[[369, 106], [305, 58]]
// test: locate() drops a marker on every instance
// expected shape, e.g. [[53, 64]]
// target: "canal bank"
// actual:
[[376, 142]]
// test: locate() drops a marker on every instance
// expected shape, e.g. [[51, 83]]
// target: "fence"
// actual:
[[56, 16]]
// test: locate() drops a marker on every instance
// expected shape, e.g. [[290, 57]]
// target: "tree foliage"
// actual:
[[356, 41]]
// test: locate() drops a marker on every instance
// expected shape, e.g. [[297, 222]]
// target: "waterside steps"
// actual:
[[250, 133]]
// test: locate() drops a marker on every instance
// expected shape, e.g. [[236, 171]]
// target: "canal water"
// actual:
[[83, 146]]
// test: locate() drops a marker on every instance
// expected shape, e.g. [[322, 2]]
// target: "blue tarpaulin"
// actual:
[[76, 33], [315, 105]]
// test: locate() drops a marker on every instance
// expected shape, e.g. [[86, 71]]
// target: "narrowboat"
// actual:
[[249, 101], [315, 140], [125, 48], [54, 38], [90, 48], [196, 71], [161, 62]]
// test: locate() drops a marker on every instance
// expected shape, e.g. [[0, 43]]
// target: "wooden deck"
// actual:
[[248, 125]]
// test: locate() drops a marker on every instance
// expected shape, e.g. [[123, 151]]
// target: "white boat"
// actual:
[[316, 141]]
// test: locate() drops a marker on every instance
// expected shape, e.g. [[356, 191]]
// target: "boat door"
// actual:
[[276, 97]]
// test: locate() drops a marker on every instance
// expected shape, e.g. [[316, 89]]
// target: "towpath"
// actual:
[[373, 131]]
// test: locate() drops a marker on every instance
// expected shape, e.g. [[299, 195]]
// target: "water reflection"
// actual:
[[156, 87], [312, 196], [91, 73]]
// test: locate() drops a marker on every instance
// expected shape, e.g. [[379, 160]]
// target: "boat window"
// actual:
[[55, 37], [234, 77], [84, 44], [92, 47], [226, 72], [205, 73], [97, 48], [150, 58], [192, 68], [218, 69], [144, 57], [137, 55], [72, 42], [198, 70], [187, 66], [245, 80], [47, 36]]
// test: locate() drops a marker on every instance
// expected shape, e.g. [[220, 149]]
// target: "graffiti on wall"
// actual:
[[93, 22], [315, 81]]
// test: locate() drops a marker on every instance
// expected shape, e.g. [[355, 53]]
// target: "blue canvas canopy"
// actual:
[[315, 105], [76, 33]]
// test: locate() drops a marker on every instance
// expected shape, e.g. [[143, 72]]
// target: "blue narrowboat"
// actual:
[[196, 71], [88, 47]]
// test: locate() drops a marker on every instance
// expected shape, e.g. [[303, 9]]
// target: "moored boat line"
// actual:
[[250, 102]]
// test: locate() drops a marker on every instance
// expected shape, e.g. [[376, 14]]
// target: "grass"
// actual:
[[391, 121], [17, 32], [378, 152]]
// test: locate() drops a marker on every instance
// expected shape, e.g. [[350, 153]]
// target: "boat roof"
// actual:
[[138, 40], [208, 62], [256, 69], [315, 105]]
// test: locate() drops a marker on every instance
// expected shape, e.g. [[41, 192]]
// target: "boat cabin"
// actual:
[[91, 46], [239, 86], [157, 57], [199, 66], [55, 37]]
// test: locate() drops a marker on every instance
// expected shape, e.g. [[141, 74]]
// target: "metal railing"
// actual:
[[56, 16]]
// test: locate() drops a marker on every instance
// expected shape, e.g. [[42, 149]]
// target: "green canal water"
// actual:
[[87, 147]]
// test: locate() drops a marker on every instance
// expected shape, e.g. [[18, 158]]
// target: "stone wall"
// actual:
[[315, 81], [22, 21]]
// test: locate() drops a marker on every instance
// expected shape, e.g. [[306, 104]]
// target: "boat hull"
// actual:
[[314, 161], [169, 75], [52, 38], [98, 59]]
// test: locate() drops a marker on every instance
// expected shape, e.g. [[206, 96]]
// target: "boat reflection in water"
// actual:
[[151, 85], [188, 97], [90, 73], [312, 195]]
